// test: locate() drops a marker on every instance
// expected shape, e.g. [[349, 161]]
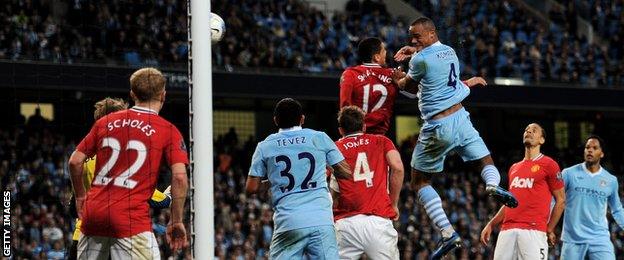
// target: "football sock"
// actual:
[[432, 203], [490, 175]]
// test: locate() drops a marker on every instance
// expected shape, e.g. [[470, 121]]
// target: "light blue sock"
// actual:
[[432, 203], [490, 175]]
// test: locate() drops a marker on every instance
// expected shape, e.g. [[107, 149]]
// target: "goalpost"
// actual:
[[200, 129]]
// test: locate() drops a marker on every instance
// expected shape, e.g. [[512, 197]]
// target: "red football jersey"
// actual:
[[532, 182], [367, 193], [370, 87], [129, 145]]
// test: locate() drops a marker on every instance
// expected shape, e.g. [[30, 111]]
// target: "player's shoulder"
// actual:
[[377, 137], [548, 161], [609, 174], [573, 169]]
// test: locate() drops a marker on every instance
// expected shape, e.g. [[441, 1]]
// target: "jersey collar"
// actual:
[[144, 110], [592, 174], [438, 43], [352, 135], [294, 128], [371, 65]]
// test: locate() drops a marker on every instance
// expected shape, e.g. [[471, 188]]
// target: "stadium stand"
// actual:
[[493, 38]]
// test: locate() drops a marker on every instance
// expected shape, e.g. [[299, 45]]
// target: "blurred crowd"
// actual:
[[94, 31], [492, 38], [501, 39], [33, 167]]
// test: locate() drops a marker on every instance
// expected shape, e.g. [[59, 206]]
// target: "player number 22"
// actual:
[[362, 170], [380, 102], [123, 180]]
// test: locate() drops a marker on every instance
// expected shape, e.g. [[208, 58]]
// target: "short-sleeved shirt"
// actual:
[[294, 161], [367, 192], [437, 69], [587, 198], [532, 183], [129, 145], [370, 87]]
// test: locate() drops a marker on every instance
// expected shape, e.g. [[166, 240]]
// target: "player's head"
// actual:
[[594, 149], [147, 84], [288, 113], [534, 135], [107, 106], [372, 50], [351, 120], [422, 33]]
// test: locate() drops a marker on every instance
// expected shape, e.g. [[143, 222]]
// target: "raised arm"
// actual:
[[346, 88]]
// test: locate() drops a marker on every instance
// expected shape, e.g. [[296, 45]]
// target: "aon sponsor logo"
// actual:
[[522, 182]]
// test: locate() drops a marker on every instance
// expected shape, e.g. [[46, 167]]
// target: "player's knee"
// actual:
[[485, 161], [419, 180]]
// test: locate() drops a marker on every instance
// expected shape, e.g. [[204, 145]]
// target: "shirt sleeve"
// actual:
[[88, 145], [553, 176], [417, 67], [388, 145], [616, 205], [176, 150], [346, 89], [565, 175], [258, 166], [332, 154]]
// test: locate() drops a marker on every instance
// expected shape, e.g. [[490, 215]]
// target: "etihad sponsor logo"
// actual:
[[590, 192], [522, 182]]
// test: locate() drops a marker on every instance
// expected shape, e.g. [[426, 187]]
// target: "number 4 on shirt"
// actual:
[[452, 77], [362, 170]]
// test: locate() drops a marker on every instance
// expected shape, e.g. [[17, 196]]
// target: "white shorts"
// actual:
[[521, 244], [363, 234], [139, 246]]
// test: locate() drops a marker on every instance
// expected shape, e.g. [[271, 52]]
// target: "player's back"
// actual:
[[587, 198], [440, 86], [295, 162], [532, 182], [367, 193], [371, 88], [129, 145]]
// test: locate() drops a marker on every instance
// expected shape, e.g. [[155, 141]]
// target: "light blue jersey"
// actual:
[[437, 69], [294, 160], [587, 195]]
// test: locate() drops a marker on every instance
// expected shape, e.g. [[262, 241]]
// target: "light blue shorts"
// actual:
[[451, 133], [316, 242], [598, 251]]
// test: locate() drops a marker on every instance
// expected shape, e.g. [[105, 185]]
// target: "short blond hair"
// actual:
[[107, 106], [147, 84]]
